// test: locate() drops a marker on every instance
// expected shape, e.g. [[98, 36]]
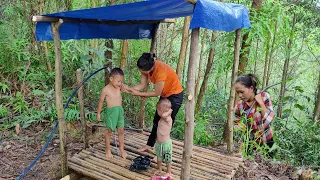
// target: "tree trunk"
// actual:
[[92, 43], [124, 54], [265, 70], [316, 111], [31, 30], [256, 58], [206, 74], [171, 42], [246, 43], [44, 43], [200, 61], [231, 105], [271, 52], [59, 97], [183, 48], [285, 68], [81, 104], [189, 125], [68, 4], [108, 55], [143, 100]]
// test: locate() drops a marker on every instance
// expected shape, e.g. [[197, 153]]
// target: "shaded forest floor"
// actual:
[[17, 151]]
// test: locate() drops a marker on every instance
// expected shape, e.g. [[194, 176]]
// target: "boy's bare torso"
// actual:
[[163, 131], [113, 96]]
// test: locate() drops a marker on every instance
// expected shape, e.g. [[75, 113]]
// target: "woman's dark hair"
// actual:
[[249, 80], [146, 61]]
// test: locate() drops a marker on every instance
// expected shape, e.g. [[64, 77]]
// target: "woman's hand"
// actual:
[[260, 102], [135, 92], [125, 88], [259, 99]]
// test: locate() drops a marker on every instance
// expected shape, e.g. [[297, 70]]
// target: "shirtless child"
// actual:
[[163, 144], [111, 93]]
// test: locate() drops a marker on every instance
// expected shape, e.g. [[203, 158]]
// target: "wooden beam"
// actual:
[[141, 114], [189, 124], [98, 21], [192, 1], [81, 104], [59, 98], [233, 91], [154, 38]]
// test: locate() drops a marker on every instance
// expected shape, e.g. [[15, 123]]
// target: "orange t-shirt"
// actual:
[[164, 73]]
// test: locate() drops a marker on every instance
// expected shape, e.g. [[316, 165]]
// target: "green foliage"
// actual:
[[19, 103], [298, 140], [27, 86]]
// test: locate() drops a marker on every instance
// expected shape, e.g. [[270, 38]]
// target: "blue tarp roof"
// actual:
[[206, 14]]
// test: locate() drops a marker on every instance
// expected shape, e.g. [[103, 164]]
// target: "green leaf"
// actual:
[[299, 88], [287, 111], [37, 92], [85, 58], [4, 87], [299, 107]]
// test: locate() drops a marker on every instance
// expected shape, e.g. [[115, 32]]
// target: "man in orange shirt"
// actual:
[[166, 85]]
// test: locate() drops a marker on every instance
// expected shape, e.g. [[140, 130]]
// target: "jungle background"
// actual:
[[283, 45]]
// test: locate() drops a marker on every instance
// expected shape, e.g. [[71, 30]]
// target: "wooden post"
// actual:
[[123, 60], [143, 101], [59, 101], [183, 48], [154, 38], [189, 125], [80, 97], [232, 91]]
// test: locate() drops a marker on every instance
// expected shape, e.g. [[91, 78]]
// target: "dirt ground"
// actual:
[[264, 169], [17, 151]]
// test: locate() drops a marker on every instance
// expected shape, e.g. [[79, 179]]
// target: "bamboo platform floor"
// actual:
[[206, 163]]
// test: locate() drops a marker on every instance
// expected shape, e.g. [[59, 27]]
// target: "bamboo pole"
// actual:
[[200, 160], [59, 98], [88, 172], [82, 115], [196, 167], [232, 91], [143, 100], [96, 169], [97, 21], [183, 47], [189, 125], [99, 158], [196, 148], [124, 54], [176, 167]]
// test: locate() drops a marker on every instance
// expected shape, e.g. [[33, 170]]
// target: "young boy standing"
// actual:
[[111, 93], [163, 144]]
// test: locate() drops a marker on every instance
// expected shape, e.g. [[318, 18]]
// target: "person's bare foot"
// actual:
[[109, 155], [144, 148], [123, 154], [155, 159]]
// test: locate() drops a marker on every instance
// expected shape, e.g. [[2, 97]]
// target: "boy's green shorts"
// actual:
[[113, 117], [164, 151]]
